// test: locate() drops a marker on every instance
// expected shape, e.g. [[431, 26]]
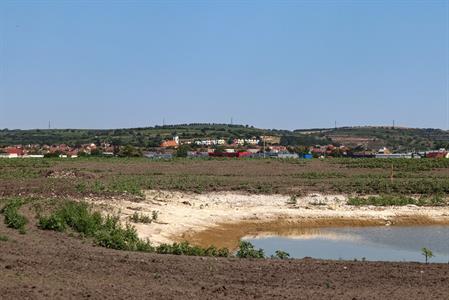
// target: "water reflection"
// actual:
[[385, 243]]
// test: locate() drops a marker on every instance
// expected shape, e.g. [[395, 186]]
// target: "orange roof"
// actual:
[[169, 144]]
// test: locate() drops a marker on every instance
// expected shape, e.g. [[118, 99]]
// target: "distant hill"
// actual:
[[370, 137]]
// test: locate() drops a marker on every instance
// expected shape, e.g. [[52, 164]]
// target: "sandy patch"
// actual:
[[222, 218]]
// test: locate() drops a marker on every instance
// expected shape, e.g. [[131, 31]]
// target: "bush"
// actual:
[[53, 222], [108, 232], [140, 218], [279, 254], [247, 250], [185, 248], [12, 217]]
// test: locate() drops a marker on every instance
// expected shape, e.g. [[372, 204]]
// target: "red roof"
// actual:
[[169, 144], [13, 150]]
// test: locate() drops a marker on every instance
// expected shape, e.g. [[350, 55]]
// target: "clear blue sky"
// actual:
[[271, 64]]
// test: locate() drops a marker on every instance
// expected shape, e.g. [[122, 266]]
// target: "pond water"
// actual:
[[387, 243]]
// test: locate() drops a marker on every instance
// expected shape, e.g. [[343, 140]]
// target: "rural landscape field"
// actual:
[[54, 244], [224, 149]]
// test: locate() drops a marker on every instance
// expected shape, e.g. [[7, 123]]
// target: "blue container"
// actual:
[[308, 156]]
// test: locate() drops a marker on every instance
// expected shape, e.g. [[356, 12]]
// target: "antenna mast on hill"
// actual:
[[49, 124], [232, 121], [393, 124], [335, 125]]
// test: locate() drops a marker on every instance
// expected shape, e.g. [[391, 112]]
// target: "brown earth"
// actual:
[[44, 264], [106, 177]]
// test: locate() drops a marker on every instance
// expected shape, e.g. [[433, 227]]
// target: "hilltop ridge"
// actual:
[[399, 138]]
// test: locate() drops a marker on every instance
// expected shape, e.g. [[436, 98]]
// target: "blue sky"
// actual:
[[271, 64]]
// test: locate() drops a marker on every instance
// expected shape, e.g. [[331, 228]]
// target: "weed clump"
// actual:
[[12, 217], [279, 254], [247, 250], [185, 248], [107, 231], [140, 218], [145, 219], [396, 200]]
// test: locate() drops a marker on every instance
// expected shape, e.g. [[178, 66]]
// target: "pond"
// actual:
[[386, 243]]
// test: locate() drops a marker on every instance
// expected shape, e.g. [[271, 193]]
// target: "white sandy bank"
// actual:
[[179, 213]]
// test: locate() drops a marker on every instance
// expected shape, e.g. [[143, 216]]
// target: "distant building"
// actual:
[[171, 143]]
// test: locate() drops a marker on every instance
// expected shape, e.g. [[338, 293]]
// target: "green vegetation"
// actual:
[[396, 200], [292, 200], [376, 137], [427, 253], [99, 176], [3, 238], [13, 218], [140, 218], [279, 254], [185, 248], [398, 164], [136, 137], [108, 232], [247, 250]]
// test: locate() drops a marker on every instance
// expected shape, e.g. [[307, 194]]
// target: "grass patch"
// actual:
[[107, 231], [140, 218], [13, 219], [3, 238], [394, 200], [185, 248]]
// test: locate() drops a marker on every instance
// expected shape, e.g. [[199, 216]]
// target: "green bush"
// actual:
[[108, 232], [140, 218], [396, 200], [185, 248], [247, 250], [279, 254], [53, 222], [12, 217]]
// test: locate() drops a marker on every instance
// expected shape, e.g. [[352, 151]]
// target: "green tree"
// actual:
[[427, 253], [129, 151], [182, 151]]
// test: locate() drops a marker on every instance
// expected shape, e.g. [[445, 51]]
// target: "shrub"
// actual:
[[12, 217], [292, 200], [53, 222], [247, 250], [279, 254], [108, 232], [140, 218], [154, 215], [185, 248]]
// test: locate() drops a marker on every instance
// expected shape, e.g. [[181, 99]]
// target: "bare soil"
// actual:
[[44, 264]]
